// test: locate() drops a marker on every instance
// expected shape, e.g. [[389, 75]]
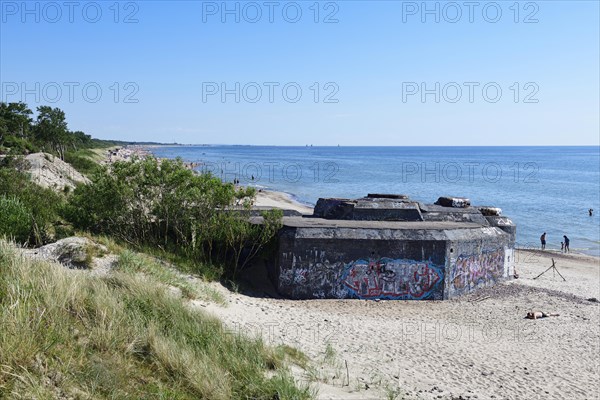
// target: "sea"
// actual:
[[542, 189]]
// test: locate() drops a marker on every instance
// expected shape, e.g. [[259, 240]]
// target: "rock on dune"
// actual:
[[72, 252], [51, 172]]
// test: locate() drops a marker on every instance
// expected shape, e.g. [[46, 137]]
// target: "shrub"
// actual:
[[165, 205], [15, 219], [19, 145], [43, 204]]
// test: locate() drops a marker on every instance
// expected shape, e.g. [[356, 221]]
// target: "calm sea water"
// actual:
[[543, 189]]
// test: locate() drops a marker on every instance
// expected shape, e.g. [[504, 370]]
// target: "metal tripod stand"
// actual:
[[554, 270]]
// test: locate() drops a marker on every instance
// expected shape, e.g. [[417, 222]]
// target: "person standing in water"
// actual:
[[543, 240], [567, 241], [591, 211]]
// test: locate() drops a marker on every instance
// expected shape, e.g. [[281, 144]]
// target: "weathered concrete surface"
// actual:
[[257, 210], [505, 224], [478, 263], [304, 222], [440, 253], [490, 211], [334, 208], [456, 202], [369, 209]]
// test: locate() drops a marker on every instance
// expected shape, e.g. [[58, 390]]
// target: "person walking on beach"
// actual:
[[567, 241], [543, 240]]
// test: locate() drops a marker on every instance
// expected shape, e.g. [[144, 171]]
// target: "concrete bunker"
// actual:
[[390, 247]]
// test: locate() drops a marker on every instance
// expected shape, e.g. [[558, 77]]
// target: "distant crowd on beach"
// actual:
[[128, 153], [564, 245]]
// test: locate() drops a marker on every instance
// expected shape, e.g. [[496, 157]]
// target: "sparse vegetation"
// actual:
[[329, 353], [82, 160], [132, 262], [328, 369], [295, 355], [393, 393]]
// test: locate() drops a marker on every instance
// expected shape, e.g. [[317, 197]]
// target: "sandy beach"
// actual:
[[475, 347], [478, 346], [267, 198]]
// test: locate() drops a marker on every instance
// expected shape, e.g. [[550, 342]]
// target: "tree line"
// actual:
[[21, 133]]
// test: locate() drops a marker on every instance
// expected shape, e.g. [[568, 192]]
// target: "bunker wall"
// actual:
[[364, 268], [340, 263], [478, 263]]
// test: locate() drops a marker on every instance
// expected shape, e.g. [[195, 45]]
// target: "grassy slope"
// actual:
[[86, 160], [68, 334]]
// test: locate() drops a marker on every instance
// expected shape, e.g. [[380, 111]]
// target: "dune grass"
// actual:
[[132, 262], [170, 274], [67, 334]]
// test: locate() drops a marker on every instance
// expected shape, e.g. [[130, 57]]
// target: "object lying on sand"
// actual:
[[539, 314]]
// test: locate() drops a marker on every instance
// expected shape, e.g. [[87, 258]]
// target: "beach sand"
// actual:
[[267, 198], [478, 346]]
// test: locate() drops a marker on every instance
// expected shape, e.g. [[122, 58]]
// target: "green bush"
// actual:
[[167, 206], [15, 219], [19, 145], [43, 204]]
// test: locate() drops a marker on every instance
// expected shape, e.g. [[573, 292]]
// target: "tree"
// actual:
[[3, 129], [15, 119], [51, 128], [79, 138]]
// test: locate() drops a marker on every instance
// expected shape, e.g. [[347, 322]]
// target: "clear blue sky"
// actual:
[[378, 56]]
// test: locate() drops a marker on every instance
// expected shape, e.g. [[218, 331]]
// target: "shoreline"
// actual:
[[425, 349], [280, 200], [572, 255]]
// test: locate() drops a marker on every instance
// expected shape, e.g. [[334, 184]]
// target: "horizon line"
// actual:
[[336, 145]]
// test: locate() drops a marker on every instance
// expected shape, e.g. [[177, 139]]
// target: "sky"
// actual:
[[386, 73]]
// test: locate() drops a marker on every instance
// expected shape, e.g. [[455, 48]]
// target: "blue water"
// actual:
[[543, 189]]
